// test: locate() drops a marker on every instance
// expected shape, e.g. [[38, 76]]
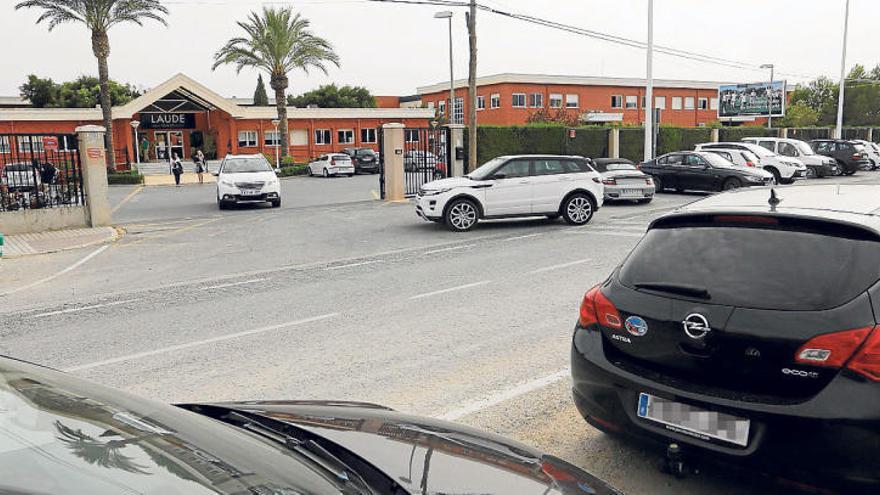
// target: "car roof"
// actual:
[[253, 155], [541, 156], [608, 161], [851, 203]]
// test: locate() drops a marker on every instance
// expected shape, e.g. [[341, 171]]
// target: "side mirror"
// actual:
[[277, 171], [499, 176]]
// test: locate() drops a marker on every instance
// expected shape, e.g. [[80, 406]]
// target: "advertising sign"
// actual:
[[763, 99], [168, 121], [50, 143]]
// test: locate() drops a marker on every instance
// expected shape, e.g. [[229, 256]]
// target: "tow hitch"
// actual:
[[674, 462]]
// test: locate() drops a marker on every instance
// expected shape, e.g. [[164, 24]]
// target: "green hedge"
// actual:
[[855, 133], [499, 141], [808, 133], [671, 139], [729, 134], [632, 144], [296, 169], [591, 142], [132, 177]]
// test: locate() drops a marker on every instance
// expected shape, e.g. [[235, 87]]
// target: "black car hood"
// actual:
[[429, 456]]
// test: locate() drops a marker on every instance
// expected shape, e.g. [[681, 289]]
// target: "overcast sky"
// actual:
[[392, 49]]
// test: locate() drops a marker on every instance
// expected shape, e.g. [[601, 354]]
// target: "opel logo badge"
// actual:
[[696, 326]]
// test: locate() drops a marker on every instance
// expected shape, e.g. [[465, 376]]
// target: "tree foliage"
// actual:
[[332, 96], [261, 99], [559, 116], [819, 98], [82, 92]]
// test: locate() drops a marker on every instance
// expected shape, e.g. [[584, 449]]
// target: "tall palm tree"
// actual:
[[99, 16], [278, 42], [105, 454]]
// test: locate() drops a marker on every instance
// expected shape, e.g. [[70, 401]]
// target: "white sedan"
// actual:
[[247, 179], [332, 164]]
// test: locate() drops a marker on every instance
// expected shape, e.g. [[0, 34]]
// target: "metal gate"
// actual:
[[39, 171], [426, 157]]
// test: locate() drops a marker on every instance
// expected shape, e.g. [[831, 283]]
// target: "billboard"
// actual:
[[752, 100]]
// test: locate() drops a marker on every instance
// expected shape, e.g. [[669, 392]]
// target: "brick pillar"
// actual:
[[456, 135], [716, 133], [614, 142], [392, 155], [94, 169]]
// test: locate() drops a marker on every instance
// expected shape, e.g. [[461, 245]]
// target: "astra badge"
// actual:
[[635, 325]]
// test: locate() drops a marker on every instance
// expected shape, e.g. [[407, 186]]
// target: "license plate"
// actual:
[[250, 192], [631, 192], [693, 421]]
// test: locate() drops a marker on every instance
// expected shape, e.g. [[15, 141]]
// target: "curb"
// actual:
[[119, 232]]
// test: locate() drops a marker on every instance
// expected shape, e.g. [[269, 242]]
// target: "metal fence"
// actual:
[[37, 173], [426, 157]]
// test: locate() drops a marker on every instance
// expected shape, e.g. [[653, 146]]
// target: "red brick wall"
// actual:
[[387, 101]]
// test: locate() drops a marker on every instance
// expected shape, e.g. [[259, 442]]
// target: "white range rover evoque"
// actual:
[[515, 186]]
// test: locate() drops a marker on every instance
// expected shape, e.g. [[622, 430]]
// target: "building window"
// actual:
[[458, 111], [616, 101], [322, 136], [703, 103], [689, 103], [676, 102], [495, 101], [67, 142], [555, 101], [431, 105], [713, 104], [536, 100], [519, 100], [481, 103], [345, 136], [299, 137], [247, 138], [632, 102], [4, 144], [411, 135], [644, 101], [29, 144], [368, 135], [571, 101], [441, 107], [272, 138], [660, 102]]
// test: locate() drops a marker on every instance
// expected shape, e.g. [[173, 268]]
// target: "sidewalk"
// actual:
[[60, 240]]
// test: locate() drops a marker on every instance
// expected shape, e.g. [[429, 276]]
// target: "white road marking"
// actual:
[[557, 267], [352, 265], [453, 248], [504, 396], [197, 343], [56, 275], [451, 289], [518, 237], [235, 284], [83, 308]]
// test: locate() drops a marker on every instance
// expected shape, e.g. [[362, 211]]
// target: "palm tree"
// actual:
[[278, 42], [99, 16], [104, 454]]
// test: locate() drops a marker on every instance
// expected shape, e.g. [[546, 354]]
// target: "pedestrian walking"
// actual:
[[199, 159], [177, 169]]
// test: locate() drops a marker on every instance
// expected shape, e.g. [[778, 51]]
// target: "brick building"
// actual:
[[181, 114], [509, 99]]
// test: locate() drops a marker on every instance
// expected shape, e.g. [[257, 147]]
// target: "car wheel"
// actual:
[[644, 201], [461, 215], [777, 177], [841, 168], [658, 184], [730, 184], [326, 174], [276, 203], [578, 209], [811, 173]]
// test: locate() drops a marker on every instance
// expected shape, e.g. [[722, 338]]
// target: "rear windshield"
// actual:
[[760, 268]]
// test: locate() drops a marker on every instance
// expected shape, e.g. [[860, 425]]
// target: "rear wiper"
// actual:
[[308, 448], [681, 289]]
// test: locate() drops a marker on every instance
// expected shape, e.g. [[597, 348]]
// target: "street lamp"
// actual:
[[649, 87], [451, 108], [839, 129], [137, 150], [276, 123], [769, 96]]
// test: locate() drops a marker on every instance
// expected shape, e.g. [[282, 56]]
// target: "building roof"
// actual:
[[574, 81], [13, 101]]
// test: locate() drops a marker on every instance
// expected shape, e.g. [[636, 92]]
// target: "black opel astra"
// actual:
[[744, 328]]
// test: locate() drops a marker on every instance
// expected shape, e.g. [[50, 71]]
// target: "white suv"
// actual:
[[817, 165], [515, 186], [785, 170], [247, 179]]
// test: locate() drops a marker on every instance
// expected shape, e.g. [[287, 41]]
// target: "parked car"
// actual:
[[817, 165], [247, 179], [850, 156], [741, 158], [873, 152], [785, 170], [702, 171], [365, 159], [332, 164], [424, 161], [727, 331], [623, 180], [64, 434], [515, 186], [21, 176]]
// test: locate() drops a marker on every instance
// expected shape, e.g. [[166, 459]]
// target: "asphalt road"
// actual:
[[350, 301]]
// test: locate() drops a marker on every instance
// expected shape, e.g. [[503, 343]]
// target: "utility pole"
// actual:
[[839, 129], [769, 96], [649, 91], [472, 87]]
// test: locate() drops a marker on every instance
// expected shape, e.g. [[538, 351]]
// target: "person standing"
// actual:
[[176, 169], [145, 149], [199, 159]]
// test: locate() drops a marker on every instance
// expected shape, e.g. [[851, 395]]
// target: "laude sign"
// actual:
[[168, 121]]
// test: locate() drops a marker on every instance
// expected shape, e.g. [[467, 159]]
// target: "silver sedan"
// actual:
[[624, 181]]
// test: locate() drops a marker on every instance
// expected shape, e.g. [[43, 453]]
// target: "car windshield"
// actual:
[[804, 148], [761, 151], [859, 147], [487, 168], [245, 166], [717, 160], [613, 167], [62, 432]]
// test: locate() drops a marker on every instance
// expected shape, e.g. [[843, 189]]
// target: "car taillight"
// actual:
[[649, 182], [867, 359], [333, 162], [832, 350], [857, 156], [597, 309], [750, 164], [609, 182]]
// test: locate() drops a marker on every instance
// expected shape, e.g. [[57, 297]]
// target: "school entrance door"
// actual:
[[168, 144]]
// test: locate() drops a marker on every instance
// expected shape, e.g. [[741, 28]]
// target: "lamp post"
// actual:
[[137, 150], [276, 123], [649, 90], [769, 96], [451, 109], [839, 129]]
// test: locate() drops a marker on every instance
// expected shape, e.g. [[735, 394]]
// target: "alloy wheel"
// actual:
[[463, 215], [579, 209]]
